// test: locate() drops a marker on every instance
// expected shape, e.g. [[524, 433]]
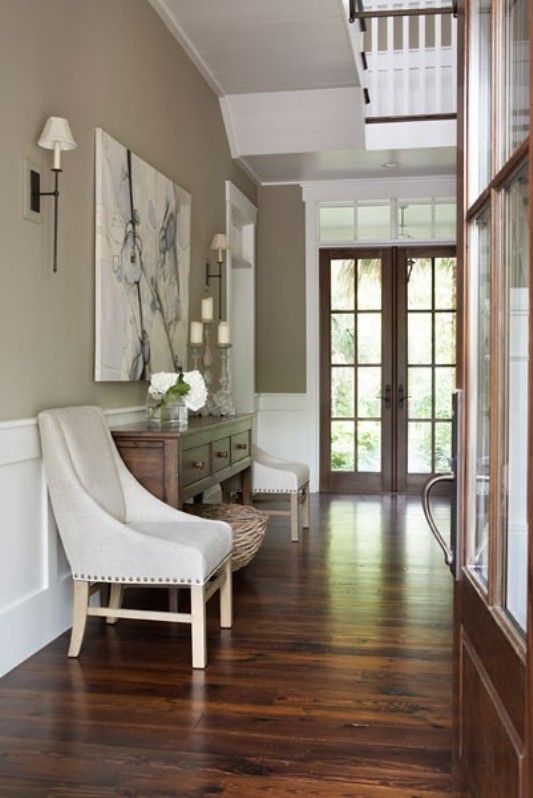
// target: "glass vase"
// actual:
[[168, 412]]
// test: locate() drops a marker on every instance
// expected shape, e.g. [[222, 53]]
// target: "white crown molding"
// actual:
[[161, 8]]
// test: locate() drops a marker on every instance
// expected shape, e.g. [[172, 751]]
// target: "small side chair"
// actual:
[[115, 532], [273, 475]]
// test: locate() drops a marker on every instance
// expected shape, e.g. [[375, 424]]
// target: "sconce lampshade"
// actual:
[[57, 129], [219, 242], [57, 136]]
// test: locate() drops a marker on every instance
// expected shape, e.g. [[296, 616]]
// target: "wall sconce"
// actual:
[[56, 136], [219, 244]]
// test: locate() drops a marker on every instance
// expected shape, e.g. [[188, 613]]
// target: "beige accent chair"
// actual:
[[273, 475], [115, 532]]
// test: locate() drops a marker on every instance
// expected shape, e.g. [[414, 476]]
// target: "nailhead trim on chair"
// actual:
[[277, 490], [139, 579]]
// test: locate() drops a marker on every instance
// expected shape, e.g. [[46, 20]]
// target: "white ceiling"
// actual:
[[264, 45], [352, 164], [253, 47]]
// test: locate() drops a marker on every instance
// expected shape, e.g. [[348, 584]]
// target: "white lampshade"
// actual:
[[57, 130], [219, 242]]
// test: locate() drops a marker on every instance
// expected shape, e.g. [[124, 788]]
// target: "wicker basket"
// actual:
[[248, 525]]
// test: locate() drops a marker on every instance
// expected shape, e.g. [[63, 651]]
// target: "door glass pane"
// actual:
[[445, 298], [342, 338], [419, 338], [369, 392], [479, 112], [342, 445], [420, 401], [419, 446], [443, 446], [480, 394], [342, 392], [419, 284], [516, 74], [342, 285], [369, 284], [336, 222], [444, 387], [369, 446], [373, 221], [369, 337], [515, 422], [445, 338], [431, 341]]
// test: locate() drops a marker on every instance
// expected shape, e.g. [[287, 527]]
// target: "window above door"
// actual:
[[391, 220]]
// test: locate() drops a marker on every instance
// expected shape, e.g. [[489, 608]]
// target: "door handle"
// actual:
[[387, 395], [401, 396], [426, 491]]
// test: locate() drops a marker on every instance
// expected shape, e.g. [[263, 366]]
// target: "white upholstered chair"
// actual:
[[277, 476], [116, 532]]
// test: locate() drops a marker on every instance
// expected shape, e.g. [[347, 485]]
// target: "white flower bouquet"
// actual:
[[171, 395]]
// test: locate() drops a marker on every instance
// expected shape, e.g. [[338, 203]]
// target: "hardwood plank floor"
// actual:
[[334, 681]]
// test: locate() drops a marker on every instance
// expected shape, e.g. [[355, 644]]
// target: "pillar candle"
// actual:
[[207, 308], [223, 332], [197, 332]]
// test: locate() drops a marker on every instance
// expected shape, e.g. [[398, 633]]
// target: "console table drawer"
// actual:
[[240, 446], [195, 465], [221, 454]]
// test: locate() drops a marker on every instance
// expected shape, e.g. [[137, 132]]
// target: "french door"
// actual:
[[388, 360]]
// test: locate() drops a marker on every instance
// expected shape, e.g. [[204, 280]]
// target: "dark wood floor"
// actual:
[[334, 681]]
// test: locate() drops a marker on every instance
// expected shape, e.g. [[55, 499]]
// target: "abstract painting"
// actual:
[[142, 253]]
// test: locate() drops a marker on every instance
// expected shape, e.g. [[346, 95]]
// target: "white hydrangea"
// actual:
[[197, 396], [161, 382], [195, 399]]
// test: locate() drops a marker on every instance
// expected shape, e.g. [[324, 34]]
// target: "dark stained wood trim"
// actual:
[[499, 180], [505, 668], [379, 120], [406, 12]]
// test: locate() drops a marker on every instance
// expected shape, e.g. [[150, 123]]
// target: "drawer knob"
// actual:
[[223, 455], [199, 464], [242, 446]]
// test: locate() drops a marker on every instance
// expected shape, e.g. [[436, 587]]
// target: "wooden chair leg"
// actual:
[[305, 508], [198, 626], [115, 601], [81, 602], [226, 598], [295, 517], [173, 599]]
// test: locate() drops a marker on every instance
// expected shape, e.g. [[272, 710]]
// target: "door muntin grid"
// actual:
[[431, 363], [356, 364]]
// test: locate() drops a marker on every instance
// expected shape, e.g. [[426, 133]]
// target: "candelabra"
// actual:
[[196, 356], [222, 399], [207, 371]]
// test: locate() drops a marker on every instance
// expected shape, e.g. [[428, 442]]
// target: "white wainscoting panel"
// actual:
[[284, 427], [35, 583]]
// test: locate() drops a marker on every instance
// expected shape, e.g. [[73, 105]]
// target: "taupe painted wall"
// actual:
[[281, 291], [107, 63]]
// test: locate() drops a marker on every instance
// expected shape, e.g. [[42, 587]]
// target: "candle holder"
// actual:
[[196, 356], [207, 370], [222, 399]]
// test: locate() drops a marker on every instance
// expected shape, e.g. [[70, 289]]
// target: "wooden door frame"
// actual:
[[343, 482], [505, 667]]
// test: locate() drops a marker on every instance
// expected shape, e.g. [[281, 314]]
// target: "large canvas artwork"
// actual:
[[143, 233]]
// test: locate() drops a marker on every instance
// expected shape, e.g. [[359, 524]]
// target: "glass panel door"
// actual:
[[515, 409], [426, 363], [355, 375]]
